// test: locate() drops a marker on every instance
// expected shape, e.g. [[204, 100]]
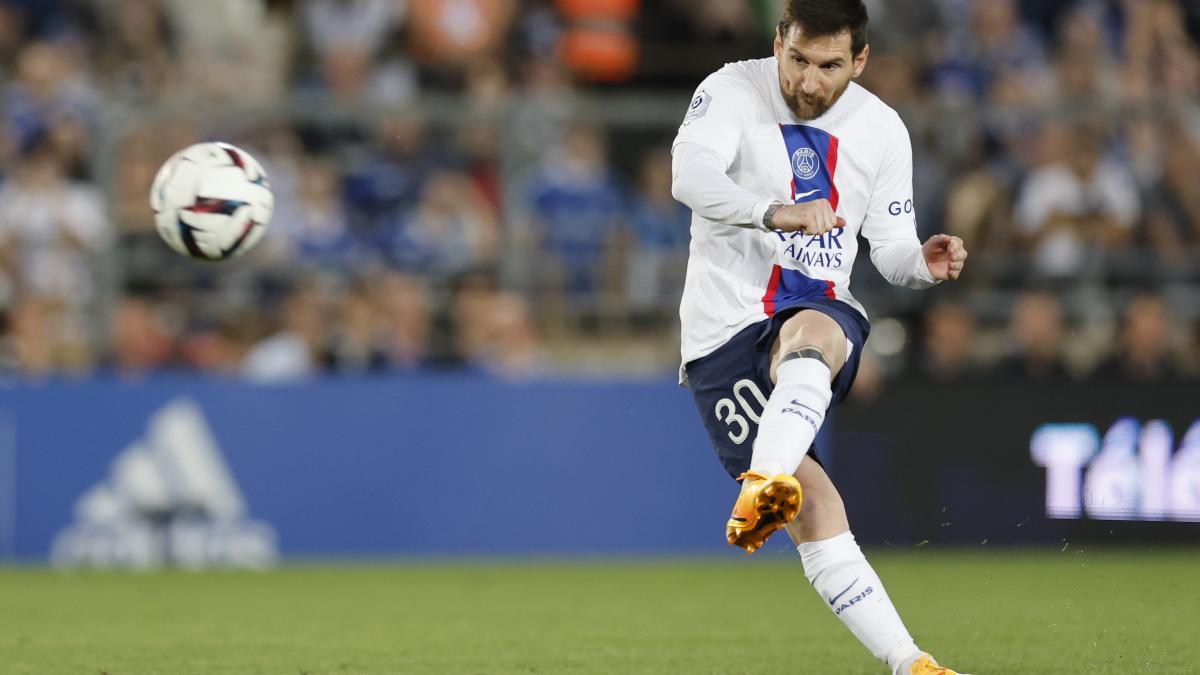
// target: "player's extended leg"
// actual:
[[809, 351], [845, 580]]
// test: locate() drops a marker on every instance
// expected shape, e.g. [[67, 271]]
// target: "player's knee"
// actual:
[[813, 342]]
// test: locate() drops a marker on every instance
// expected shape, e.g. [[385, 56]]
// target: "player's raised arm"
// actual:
[[704, 149], [890, 225]]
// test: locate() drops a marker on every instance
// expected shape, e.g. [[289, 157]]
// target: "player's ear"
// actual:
[[860, 60], [778, 43]]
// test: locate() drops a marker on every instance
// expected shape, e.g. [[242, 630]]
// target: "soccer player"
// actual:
[[784, 161]]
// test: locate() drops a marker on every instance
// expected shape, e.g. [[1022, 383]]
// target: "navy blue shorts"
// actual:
[[732, 384]]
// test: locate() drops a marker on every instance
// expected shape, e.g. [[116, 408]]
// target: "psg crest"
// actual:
[[805, 163]]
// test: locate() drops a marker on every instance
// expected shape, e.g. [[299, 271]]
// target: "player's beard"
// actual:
[[806, 107]]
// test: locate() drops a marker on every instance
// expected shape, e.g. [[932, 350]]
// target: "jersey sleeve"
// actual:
[[715, 117], [890, 225], [704, 149]]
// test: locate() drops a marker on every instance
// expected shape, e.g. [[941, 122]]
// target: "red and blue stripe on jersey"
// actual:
[[812, 155]]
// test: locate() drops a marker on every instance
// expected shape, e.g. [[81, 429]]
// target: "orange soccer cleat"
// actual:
[[764, 506], [925, 665]]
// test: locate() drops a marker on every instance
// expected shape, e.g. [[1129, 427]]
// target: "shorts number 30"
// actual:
[[735, 415]]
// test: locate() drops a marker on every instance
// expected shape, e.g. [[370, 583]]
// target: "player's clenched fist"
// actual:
[[815, 217], [945, 255]]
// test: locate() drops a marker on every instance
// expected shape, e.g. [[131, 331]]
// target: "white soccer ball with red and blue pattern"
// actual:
[[211, 201]]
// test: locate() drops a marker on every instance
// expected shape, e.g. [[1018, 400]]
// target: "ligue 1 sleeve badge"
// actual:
[[698, 106]]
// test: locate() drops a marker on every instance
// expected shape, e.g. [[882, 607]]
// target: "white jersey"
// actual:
[[740, 149]]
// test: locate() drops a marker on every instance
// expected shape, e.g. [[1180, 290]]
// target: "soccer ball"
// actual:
[[211, 201]]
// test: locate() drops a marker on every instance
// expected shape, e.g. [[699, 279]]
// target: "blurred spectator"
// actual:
[[492, 330], [542, 113], [1144, 351], [141, 342], [137, 58], [1082, 202], [451, 230], [1178, 64], [406, 318], [293, 352], [222, 346], [50, 230], [467, 326], [894, 77], [28, 345], [49, 90], [355, 343], [1173, 220], [71, 142], [986, 39], [947, 342], [579, 210], [132, 178], [478, 142], [660, 227], [479, 155], [978, 208], [232, 51], [310, 225], [1085, 54], [281, 151], [45, 339], [1036, 333], [512, 349], [347, 36], [386, 185]]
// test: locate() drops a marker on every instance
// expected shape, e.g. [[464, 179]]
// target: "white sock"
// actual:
[[845, 581], [792, 416]]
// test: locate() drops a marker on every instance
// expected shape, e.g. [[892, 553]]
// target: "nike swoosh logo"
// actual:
[[810, 192], [834, 598], [814, 410]]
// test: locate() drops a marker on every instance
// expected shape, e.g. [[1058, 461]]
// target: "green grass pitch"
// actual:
[[985, 612]]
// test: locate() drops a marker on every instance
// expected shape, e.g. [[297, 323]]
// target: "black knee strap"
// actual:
[[805, 353]]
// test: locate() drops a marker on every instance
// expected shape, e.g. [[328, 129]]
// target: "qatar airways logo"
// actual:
[[814, 250], [1130, 473]]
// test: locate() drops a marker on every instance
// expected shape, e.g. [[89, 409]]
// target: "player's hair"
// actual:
[[821, 18]]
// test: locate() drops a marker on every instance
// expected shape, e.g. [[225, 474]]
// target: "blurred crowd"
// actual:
[[485, 184]]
